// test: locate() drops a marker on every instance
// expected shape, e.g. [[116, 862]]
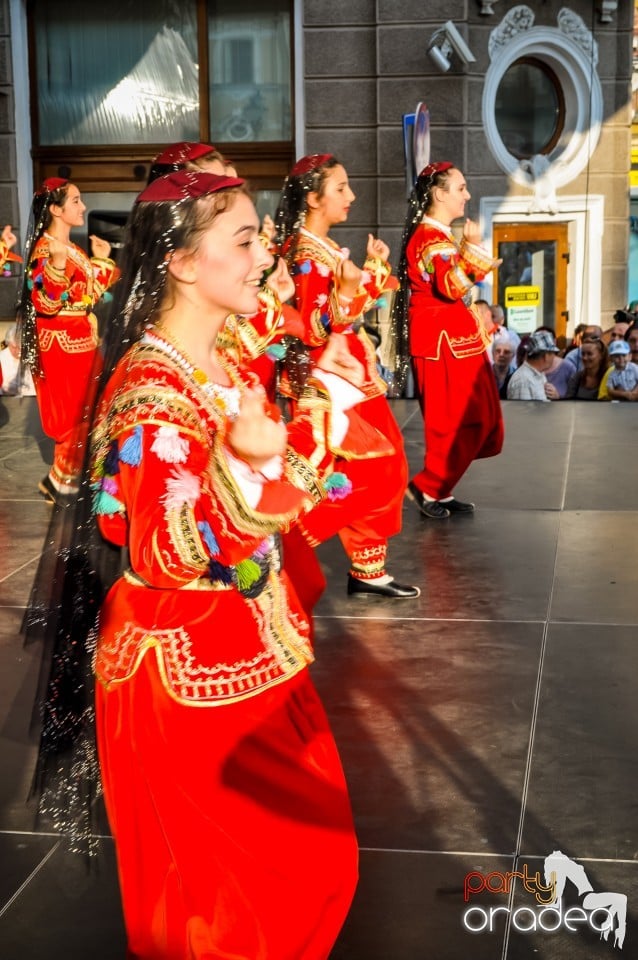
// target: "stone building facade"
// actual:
[[360, 66]]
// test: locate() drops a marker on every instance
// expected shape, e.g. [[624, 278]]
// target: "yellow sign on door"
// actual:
[[522, 296]]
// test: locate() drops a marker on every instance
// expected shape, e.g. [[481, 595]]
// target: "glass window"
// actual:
[[116, 73], [116, 82], [249, 70], [529, 263], [529, 109]]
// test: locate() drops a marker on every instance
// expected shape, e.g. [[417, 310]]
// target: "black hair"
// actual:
[[293, 202], [419, 202], [39, 220]]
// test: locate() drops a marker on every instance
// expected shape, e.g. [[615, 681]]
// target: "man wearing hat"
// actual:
[[622, 382], [529, 381]]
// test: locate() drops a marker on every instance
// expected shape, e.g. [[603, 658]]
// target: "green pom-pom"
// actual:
[[248, 572]]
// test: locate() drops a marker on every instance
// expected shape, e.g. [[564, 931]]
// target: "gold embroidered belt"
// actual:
[[201, 583]]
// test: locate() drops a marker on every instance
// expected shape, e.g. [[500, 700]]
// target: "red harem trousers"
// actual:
[[70, 363], [462, 417], [372, 512], [232, 824]]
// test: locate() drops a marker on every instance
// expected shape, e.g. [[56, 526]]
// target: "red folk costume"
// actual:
[[455, 384], [222, 782], [67, 347], [372, 513], [6, 256]]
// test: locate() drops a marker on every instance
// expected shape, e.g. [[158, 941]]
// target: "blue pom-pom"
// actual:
[[106, 505], [381, 302], [131, 451], [336, 480], [305, 267], [64, 296], [208, 536], [325, 320], [107, 297]]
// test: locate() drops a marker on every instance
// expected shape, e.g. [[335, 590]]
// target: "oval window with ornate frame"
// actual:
[[530, 108], [568, 56]]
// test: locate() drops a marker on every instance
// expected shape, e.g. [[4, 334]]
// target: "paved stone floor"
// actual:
[[483, 726]]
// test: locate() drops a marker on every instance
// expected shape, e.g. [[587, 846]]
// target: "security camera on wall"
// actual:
[[439, 59], [446, 41]]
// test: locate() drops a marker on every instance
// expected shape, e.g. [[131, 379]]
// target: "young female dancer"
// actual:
[[58, 329], [223, 787], [446, 338], [331, 295]]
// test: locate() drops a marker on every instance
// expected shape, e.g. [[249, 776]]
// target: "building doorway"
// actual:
[[531, 282]]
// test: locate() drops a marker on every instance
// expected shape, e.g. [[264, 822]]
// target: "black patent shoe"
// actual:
[[432, 509], [458, 506], [52, 495], [46, 488], [391, 589]]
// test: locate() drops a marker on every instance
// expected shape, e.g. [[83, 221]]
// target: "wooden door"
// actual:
[[535, 255]]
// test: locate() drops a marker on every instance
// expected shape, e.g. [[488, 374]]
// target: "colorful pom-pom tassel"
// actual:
[[264, 548], [169, 446], [111, 461], [337, 486], [248, 572], [276, 350], [131, 451], [109, 485], [208, 536], [105, 505], [217, 571]]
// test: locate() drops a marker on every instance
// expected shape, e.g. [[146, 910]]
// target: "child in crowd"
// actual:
[[622, 382]]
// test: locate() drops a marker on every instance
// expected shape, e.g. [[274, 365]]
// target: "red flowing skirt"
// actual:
[[232, 824]]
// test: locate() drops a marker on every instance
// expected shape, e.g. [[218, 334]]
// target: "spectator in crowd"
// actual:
[[584, 384], [559, 373], [577, 338], [622, 321], [574, 356], [15, 378], [529, 382], [503, 365], [632, 339], [622, 378], [502, 331]]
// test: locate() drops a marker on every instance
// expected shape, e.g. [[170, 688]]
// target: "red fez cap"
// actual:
[[186, 184], [52, 183], [181, 153], [433, 168], [312, 162]]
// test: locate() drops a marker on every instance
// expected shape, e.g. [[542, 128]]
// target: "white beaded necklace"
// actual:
[[226, 398]]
